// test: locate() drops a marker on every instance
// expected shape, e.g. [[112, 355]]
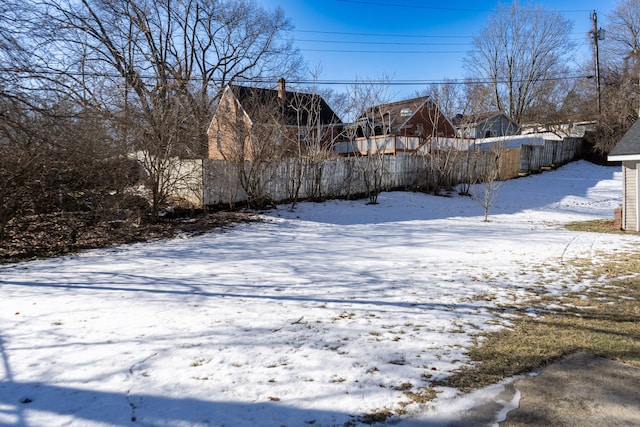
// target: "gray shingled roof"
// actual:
[[629, 144], [473, 119]]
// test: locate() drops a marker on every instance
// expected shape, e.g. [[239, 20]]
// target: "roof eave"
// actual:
[[623, 157]]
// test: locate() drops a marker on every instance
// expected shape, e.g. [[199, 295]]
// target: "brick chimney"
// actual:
[[282, 90]]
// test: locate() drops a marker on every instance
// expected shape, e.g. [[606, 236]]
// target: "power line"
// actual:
[[384, 52], [419, 82], [383, 34], [32, 73], [381, 43], [450, 9], [403, 36], [409, 52], [410, 6]]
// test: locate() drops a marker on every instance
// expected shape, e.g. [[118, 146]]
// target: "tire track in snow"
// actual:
[[577, 244]]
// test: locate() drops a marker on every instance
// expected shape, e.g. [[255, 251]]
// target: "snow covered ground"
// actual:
[[311, 317]]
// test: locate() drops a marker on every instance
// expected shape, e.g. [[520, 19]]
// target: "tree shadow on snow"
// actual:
[[533, 192], [21, 402]]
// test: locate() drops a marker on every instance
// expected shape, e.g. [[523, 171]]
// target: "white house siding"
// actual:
[[181, 181], [630, 220], [184, 178]]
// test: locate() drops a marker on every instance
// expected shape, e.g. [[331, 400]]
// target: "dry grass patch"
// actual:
[[604, 321], [595, 226], [422, 396]]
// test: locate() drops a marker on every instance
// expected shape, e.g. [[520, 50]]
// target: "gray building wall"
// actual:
[[495, 126]]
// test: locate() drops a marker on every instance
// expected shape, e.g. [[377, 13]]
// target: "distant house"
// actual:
[[568, 129], [271, 118], [484, 125], [627, 151], [396, 127]]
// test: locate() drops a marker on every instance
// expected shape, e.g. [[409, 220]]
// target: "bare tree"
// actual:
[[255, 143], [54, 159], [19, 163], [316, 130], [168, 57], [478, 98], [521, 53], [580, 100], [55, 151], [620, 98], [306, 140], [441, 157], [487, 177], [620, 91], [368, 133], [451, 161], [622, 44], [450, 97]]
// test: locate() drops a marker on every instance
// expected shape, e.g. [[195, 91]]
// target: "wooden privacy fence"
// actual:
[[344, 177], [534, 158]]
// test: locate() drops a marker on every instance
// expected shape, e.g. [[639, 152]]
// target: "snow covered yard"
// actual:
[[312, 317]]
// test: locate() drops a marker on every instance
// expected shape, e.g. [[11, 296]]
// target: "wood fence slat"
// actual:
[[346, 176]]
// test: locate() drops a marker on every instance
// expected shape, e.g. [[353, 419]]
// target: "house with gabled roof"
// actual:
[[627, 151], [275, 119], [485, 125], [403, 126]]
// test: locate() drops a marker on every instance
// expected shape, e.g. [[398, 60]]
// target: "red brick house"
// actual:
[[402, 126]]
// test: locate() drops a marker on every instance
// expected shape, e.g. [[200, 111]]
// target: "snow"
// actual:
[[313, 317]]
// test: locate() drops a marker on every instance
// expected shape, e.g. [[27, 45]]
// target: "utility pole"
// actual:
[[597, 34]]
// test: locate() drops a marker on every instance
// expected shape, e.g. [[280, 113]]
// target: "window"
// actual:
[[227, 104], [219, 141]]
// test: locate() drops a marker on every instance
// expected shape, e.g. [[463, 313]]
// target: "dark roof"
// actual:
[[476, 118], [398, 112], [629, 144], [296, 103]]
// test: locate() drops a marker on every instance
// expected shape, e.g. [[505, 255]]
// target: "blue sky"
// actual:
[[407, 39]]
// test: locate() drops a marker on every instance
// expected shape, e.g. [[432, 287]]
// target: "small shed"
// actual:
[[627, 151]]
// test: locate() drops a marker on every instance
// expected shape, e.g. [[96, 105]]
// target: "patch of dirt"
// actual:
[[42, 236]]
